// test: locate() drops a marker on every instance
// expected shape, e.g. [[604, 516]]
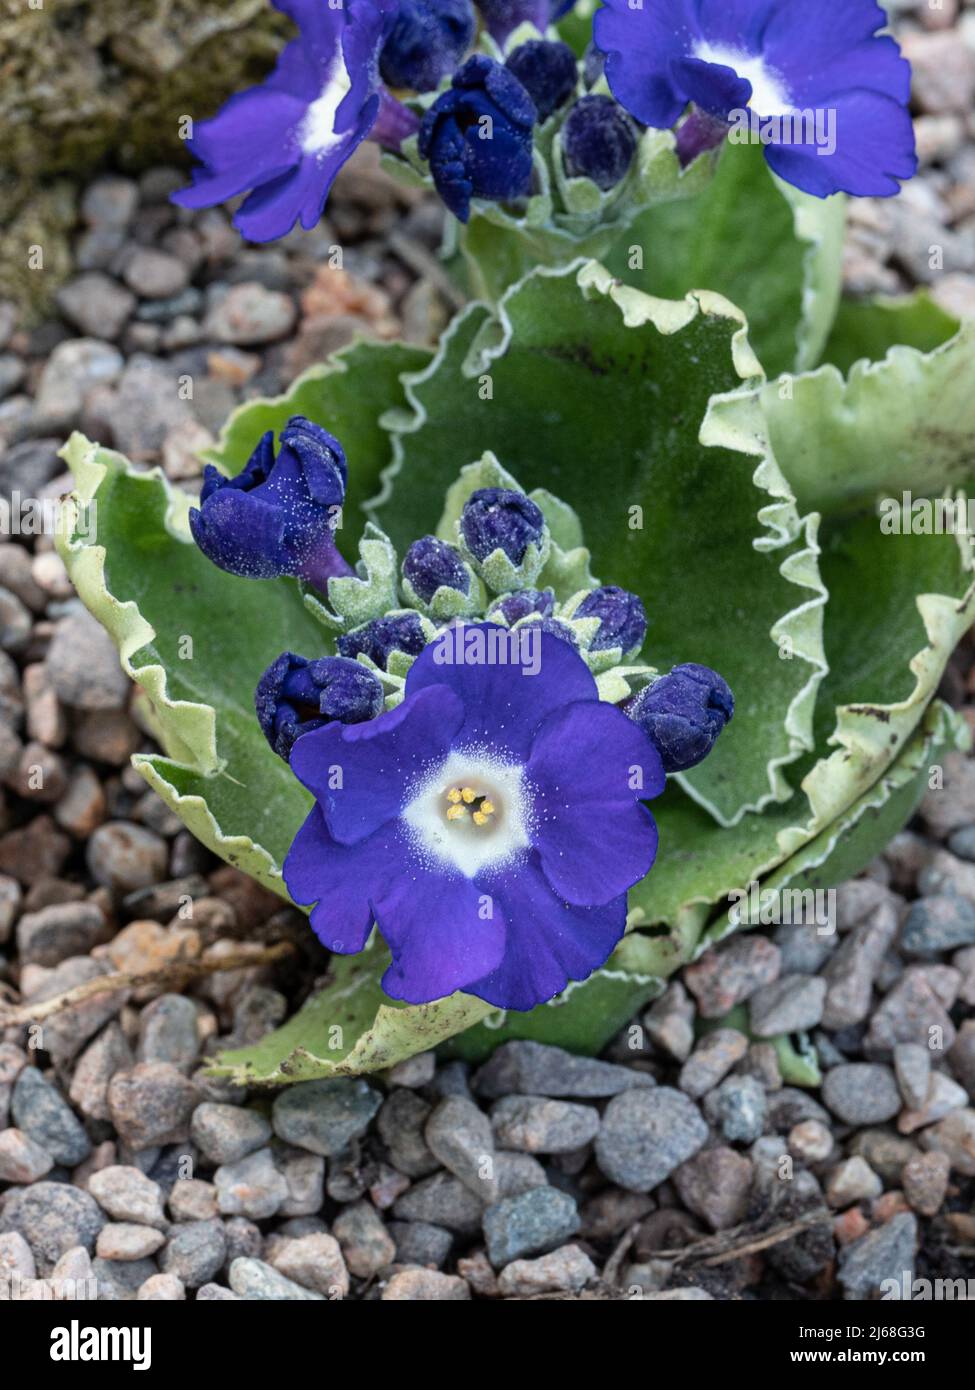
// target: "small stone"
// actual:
[[10, 900], [151, 1104], [912, 1067], [851, 971], [669, 1022], [517, 1173], [952, 806], [22, 1160], [936, 924], [885, 1151], [737, 1108], [227, 1133], [460, 1136], [861, 1093], [566, 1270], [105, 736], [325, 1116], [75, 368], [168, 1032], [41, 1111], [15, 1259], [121, 1241], [425, 1285], [646, 1134], [884, 1254], [534, 1069], [304, 1176], [712, 1059], [195, 1252], [944, 1095], [402, 1124], [106, 1055], [925, 1180], [442, 1200], [257, 1281], [15, 622], [153, 274], [804, 947], [535, 1124], [715, 1186], [417, 1070], [531, 1224], [810, 1141], [943, 71], [54, 933], [52, 1217], [908, 1014], [181, 450], [96, 304], [792, 1004], [109, 201], [954, 1136], [961, 1058], [243, 1238], [723, 978], [420, 1243], [145, 406], [249, 315], [852, 1181], [123, 856], [944, 875], [216, 1293], [127, 1195], [67, 1032], [162, 1288], [315, 1262], [251, 1187], [366, 1244], [191, 1199]]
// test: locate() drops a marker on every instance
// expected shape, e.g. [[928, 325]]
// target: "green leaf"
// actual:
[[773, 251], [347, 394], [348, 1027], [604, 396], [869, 328]]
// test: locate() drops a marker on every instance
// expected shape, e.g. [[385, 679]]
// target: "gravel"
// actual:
[[645, 1135]]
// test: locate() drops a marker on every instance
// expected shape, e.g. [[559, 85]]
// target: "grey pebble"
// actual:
[[195, 1252], [792, 1004], [531, 1224], [882, 1254], [257, 1281], [535, 1069], [862, 1093], [536, 1124], [40, 1110], [646, 1134], [325, 1116]]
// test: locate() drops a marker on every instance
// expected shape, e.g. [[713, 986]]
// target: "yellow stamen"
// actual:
[[469, 794], [479, 818], [487, 807], [456, 812], [454, 794]]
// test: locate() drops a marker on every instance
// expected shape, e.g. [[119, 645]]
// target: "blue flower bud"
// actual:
[[477, 137], [278, 515], [496, 518], [402, 632], [598, 141], [553, 626], [296, 695], [427, 40], [547, 71], [502, 17], [622, 620], [514, 607], [683, 713], [431, 564]]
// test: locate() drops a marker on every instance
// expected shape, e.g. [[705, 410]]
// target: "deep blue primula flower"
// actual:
[[514, 607], [430, 564], [497, 518], [286, 139], [477, 137], [547, 71], [683, 713], [403, 632], [773, 60], [598, 141], [278, 515], [296, 695], [490, 825], [502, 17], [426, 41], [622, 619]]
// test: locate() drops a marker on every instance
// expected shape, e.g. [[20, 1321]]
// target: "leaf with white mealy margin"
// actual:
[[773, 251], [347, 395], [869, 328], [197, 641], [347, 1028], [601, 394]]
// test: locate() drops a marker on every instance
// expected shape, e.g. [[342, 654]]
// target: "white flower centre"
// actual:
[[472, 813], [770, 97], [317, 132]]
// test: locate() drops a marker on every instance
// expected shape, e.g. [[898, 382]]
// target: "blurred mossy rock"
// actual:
[[85, 83]]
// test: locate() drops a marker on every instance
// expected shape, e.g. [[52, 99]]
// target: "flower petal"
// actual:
[[376, 762], [339, 880], [874, 149], [640, 45]]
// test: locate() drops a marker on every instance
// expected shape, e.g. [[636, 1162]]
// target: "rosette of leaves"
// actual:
[[742, 510]]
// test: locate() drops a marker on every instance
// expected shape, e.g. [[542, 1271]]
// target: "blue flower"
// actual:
[[824, 93], [547, 71], [502, 17], [497, 518], [287, 139], [598, 141], [430, 564], [622, 620], [514, 607], [277, 516], [402, 632], [683, 713], [477, 137], [296, 695], [427, 40], [490, 825]]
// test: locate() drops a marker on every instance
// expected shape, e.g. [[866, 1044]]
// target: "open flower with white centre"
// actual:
[[490, 826], [811, 80], [285, 140]]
